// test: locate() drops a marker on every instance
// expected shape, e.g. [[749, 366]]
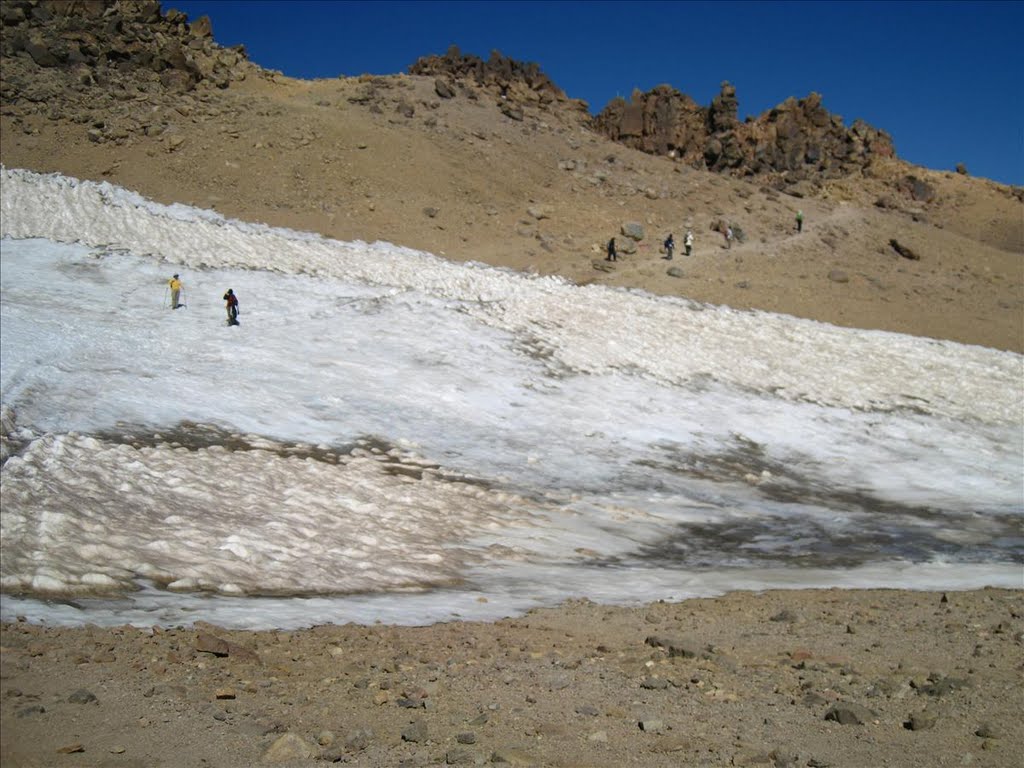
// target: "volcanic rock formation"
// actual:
[[796, 141]]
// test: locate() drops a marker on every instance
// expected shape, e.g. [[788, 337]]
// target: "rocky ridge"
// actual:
[[115, 68], [797, 141]]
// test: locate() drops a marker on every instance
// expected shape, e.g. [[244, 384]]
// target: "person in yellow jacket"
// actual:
[[175, 285]]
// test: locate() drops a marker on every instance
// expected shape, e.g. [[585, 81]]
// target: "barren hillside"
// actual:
[[508, 172]]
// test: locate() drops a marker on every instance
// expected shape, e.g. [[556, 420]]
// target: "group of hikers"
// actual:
[[230, 300], [670, 244]]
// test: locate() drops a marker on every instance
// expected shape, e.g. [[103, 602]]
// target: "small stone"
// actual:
[[838, 276], [416, 732], [675, 647], [207, 643], [71, 749], [987, 731], [849, 714], [920, 721], [359, 739], [460, 756], [600, 737], [325, 738], [287, 748], [651, 725], [466, 738], [654, 683], [513, 757], [82, 696]]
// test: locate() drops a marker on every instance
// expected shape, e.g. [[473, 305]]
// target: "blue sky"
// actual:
[[945, 79]]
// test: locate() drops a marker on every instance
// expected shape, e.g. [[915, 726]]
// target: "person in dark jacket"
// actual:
[[612, 253], [670, 245], [232, 307]]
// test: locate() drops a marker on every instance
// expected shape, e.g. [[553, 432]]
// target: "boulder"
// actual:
[[633, 230]]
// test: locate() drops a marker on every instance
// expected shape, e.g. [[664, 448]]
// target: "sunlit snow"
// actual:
[[390, 436]]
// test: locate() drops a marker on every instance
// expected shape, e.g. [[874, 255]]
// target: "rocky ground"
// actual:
[[785, 678]]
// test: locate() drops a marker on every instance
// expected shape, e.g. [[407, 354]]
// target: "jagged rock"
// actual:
[[797, 140], [123, 47], [514, 82], [201, 27]]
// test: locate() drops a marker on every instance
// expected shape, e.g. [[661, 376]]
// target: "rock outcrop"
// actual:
[[798, 140], [514, 83], [105, 64]]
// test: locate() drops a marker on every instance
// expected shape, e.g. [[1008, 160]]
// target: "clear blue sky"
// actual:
[[945, 79]]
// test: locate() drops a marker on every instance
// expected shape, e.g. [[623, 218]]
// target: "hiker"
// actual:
[[612, 253], [232, 307], [799, 221], [688, 242], [728, 237], [175, 286], [670, 246]]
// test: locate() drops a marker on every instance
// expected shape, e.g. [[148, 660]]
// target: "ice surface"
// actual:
[[391, 436]]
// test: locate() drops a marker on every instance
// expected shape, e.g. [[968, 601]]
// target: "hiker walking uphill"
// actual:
[[175, 285], [688, 242], [612, 253], [231, 306], [799, 221], [670, 245]]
